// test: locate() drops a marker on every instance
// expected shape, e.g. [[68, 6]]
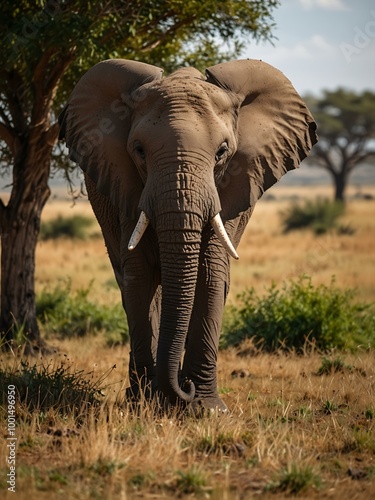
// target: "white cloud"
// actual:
[[319, 43], [323, 4], [309, 46]]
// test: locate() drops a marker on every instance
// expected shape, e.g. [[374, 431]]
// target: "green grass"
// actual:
[[333, 365], [190, 482], [298, 315], [295, 480], [141, 480], [66, 313]]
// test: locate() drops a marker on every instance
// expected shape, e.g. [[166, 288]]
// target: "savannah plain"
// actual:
[[290, 432]]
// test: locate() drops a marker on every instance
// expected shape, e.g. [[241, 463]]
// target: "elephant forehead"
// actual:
[[183, 94]]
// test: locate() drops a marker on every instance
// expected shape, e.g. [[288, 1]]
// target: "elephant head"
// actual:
[[184, 153]]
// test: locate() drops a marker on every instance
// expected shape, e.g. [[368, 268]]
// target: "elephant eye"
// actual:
[[220, 153], [138, 148]]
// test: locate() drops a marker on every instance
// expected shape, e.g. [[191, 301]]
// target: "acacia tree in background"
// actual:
[[346, 128], [46, 48]]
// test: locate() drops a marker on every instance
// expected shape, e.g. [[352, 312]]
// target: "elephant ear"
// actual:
[[275, 131], [95, 124]]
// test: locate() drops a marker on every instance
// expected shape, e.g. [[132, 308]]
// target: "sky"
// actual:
[[322, 44]]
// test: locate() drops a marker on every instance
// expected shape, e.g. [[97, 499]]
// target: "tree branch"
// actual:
[[155, 37], [48, 84], [359, 144], [52, 134], [326, 161], [360, 158], [9, 137], [15, 99], [59, 70], [164, 35], [41, 70]]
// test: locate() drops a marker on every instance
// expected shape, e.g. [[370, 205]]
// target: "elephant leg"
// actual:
[[141, 294], [200, 360], [138, 278]]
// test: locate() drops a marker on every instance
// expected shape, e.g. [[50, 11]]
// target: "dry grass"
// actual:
[[290, 430], [266, 254], [282, 413]]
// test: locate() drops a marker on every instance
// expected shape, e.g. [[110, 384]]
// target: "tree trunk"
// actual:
[[20, 229], [340, 185]]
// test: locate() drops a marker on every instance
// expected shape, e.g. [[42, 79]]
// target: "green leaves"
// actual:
[[319, 215], [299, 313], [157, 32], [69, 314], [49, 45]]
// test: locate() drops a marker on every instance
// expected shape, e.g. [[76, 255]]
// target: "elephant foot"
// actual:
[[201, 406], [207, 406]]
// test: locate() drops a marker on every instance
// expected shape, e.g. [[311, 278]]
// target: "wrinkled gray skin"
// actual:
[[182, 149]]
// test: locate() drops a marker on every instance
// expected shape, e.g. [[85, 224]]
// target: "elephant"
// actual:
[[173, 167]]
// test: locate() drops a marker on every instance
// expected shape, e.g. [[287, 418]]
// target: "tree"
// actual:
[[47, 47], [346, 129]]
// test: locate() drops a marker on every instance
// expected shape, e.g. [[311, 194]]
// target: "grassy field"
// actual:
[[299, 425], [266, 254]]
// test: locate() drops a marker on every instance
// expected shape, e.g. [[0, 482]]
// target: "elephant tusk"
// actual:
[[221, 233], [139, 230]]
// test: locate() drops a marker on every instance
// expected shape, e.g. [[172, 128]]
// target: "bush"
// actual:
[[43, 387], [319, 215], [295, 479], [73, 314], [75, 227], [190, 482], [287, 318]]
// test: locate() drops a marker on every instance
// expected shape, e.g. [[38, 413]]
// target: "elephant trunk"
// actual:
[[179, 257], [179, 207]]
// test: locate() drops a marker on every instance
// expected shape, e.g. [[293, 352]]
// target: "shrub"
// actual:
[[319, 215], [190, 482], [286, 318], [73, 314], [334, 365], [75, 227], [43, 387], [296, 479]]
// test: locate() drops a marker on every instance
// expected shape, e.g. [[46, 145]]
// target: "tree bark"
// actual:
[[340, 172], [30, 137], [20, 229], [340, 186]]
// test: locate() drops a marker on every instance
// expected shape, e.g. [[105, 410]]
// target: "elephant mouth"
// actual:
[[216, 223]]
